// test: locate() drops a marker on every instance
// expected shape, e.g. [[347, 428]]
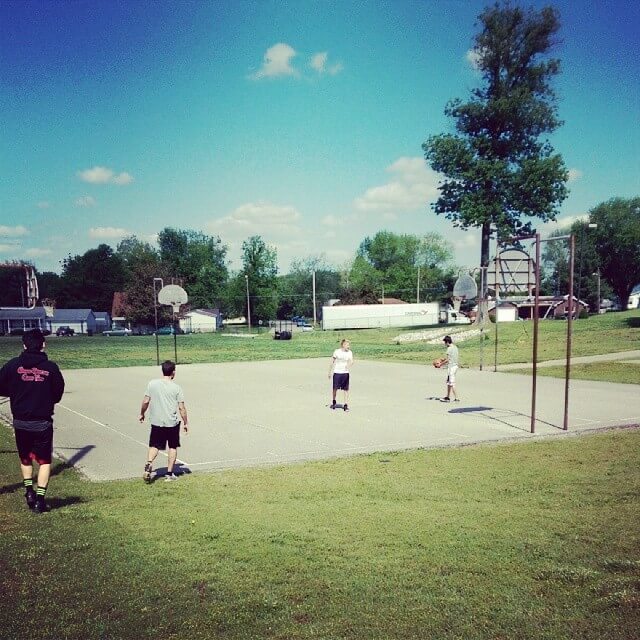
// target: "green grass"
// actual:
[[538, 540], [624, 372], [608, 333]]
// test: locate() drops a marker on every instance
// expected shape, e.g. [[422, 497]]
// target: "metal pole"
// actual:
[[314, 298], [569, 327], [495, 310], [155, 311], [175, 339], [535, 336], [418, 287], [482, 276], [246, 278]]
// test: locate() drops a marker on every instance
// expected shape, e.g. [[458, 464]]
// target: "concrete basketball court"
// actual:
[[275, 412]]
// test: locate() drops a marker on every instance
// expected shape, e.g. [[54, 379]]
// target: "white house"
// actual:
[[634, 298], [80, 320], [201, 321]]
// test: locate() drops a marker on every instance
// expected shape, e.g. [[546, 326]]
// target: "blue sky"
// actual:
[[298, 121]]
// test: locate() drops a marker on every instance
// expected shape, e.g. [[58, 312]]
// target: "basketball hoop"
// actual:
[[173, 296], [465, 288]]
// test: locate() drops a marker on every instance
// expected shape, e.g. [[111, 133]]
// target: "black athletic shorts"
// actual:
[[160, 437], [34, 445], [341, 381]]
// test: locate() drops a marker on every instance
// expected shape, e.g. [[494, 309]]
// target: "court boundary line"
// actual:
[[120, 433]]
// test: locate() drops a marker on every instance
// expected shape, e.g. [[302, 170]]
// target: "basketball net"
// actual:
[[456, 304], [49, 307]]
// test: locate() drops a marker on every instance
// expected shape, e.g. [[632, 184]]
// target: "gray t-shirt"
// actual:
[[452, 355], [165, 396]]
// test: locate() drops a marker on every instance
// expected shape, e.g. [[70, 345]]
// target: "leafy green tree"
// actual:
[[142, 265], [90, 280], [498, 167], [259, 263], [49, 285], [198, 261], [395, 261], [296, 288], [12, 284], [617, 242]]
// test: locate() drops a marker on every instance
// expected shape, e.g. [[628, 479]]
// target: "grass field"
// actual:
[[608, 333], [623, 372], [538, 540]]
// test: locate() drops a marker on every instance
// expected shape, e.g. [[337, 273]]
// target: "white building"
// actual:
[[200, 321]]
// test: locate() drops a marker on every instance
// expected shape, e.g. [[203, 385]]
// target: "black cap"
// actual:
[[447, 339]]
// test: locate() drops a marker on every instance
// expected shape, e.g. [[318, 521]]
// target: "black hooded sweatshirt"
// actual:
[[33, 384]]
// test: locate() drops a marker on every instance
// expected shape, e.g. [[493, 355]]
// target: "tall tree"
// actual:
[[90, 280], [555, 266], [498, 167], [260, 267], [296, 288], [399, 262], [617, 241], [142, 266], [198, 261]]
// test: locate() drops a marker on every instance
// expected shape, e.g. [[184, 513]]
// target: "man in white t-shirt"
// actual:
[[166, 400], [341, 361], [452, 361]]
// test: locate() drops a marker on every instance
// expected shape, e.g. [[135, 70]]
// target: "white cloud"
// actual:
[[473, 58], [331, 221], [103, 175], [277, 62], [415, 185], [108, 233], [574, 174], [9, 247], [37, 253], [258, 218], [43, 204], [85, 201], [319, 63], [12, 232]]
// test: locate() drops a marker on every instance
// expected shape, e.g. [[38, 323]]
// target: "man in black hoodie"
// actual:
[[34, 385]]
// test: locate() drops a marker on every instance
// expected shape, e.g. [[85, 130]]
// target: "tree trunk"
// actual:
[[482, 317]]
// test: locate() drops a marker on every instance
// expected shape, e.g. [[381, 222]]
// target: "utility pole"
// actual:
[[313, 280], [246, 278]]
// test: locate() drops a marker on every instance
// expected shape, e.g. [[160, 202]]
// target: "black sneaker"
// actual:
[[345, 407], [332, 405], [40, 505], [30, 497], [148, 471], [445, 400]]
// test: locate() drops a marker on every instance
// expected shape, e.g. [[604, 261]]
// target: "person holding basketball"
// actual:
[[341, 361], [451, 360], [166, 399], [34, 385]]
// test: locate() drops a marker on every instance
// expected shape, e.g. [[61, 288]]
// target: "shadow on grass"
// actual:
[[59, 503]]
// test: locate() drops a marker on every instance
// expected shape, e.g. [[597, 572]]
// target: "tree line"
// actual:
[[385, 265]]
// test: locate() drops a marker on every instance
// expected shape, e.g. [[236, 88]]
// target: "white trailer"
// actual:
[[374, 316]]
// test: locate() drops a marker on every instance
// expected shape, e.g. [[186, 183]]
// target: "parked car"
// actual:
[[117, 331], [168, 331], [64, 331]]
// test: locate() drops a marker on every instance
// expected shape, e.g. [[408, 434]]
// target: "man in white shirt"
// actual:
[[341, 361], [166, 399], [451, 360]]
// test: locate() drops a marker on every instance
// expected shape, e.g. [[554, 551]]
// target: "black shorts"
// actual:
[[341, 381], [34, 445], [160, 437]]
